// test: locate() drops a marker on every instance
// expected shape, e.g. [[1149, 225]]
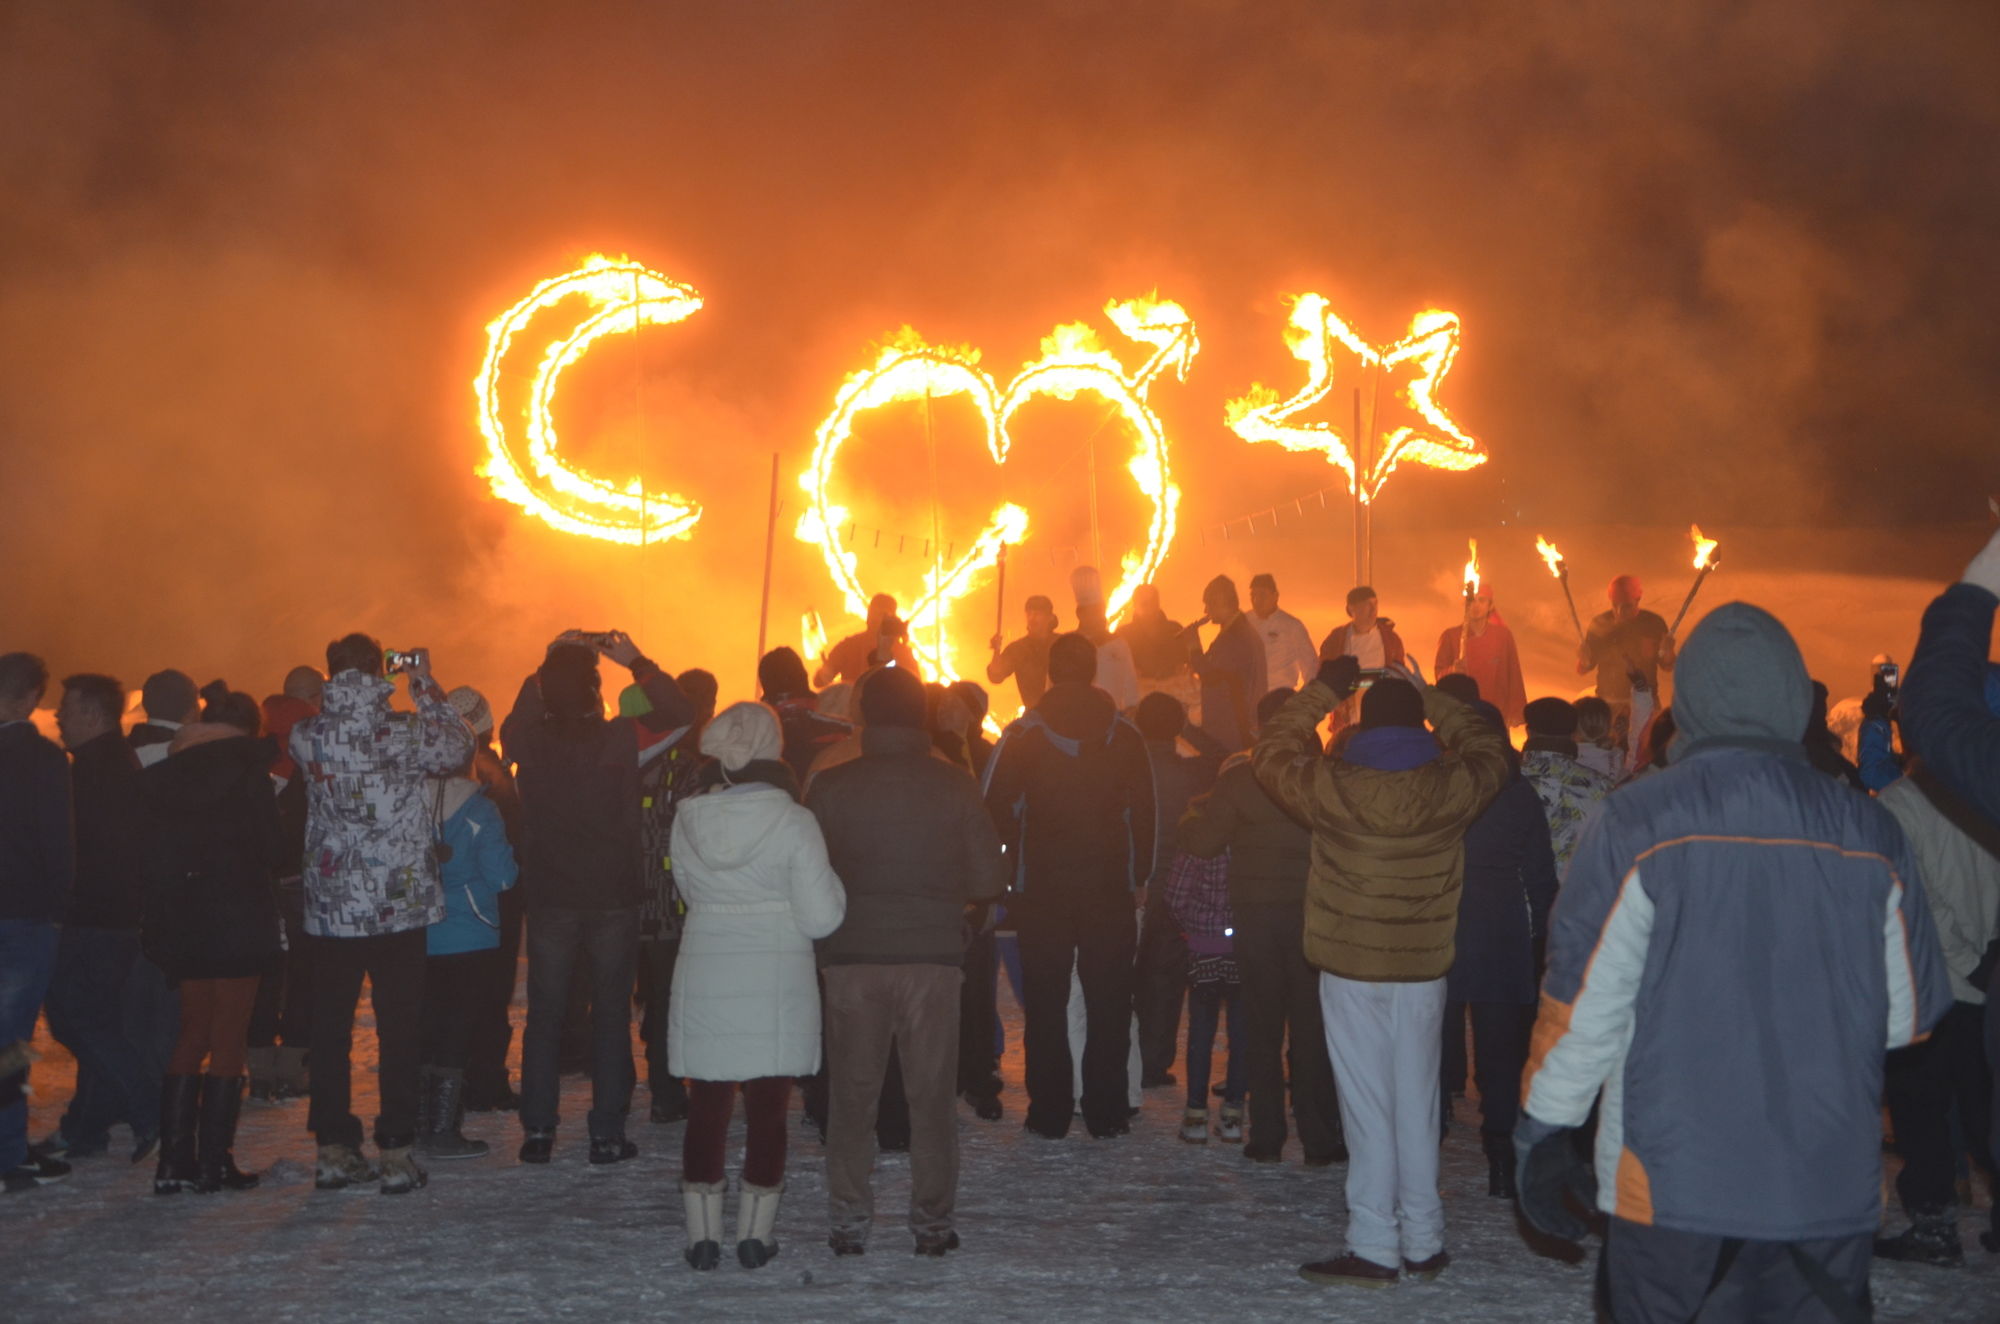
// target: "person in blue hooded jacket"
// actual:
[[1738, 940], [476, 864]]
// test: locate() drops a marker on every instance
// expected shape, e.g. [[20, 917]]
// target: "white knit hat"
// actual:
[[741, 734], [472, 706]]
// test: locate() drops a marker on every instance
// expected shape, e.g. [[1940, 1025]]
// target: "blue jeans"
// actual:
[[607, 943], [1205, 1008], [27, 955], [104, 1004]]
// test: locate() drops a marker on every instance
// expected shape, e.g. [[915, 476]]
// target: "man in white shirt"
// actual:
[[1289, 656]]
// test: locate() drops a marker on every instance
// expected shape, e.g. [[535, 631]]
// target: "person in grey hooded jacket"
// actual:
[[1738, 940]]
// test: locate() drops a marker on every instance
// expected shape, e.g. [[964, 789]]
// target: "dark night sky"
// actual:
[[1725, 261]]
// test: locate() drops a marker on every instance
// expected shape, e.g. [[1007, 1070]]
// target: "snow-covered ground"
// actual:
[[1140, 1228]]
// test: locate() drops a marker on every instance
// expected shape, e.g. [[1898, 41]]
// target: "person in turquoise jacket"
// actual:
[[475, 865]]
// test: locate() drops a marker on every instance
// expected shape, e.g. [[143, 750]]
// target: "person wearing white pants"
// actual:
[[1385, 1041], [1388, 816]]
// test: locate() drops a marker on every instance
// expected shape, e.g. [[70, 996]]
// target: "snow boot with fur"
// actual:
[[702, 1203], [756, 1217], [341, 1167], [1230, 1128], [400, 1171], [1194, 1126]]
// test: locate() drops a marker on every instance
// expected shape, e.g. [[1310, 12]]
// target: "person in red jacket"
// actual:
[[1483, 648]]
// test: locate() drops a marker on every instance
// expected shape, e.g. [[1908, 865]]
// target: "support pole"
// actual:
[[770, 547]]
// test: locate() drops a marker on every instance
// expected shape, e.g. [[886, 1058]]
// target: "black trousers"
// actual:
[[1280, 1003], [1500, 1034], [1160, 987], [1655, 1275], [283, 1010], [493, 1019], [393, 964], [1921, 1083], [559, 938], [452, 992], [978, 1064], [657, 958], [1092, 934]]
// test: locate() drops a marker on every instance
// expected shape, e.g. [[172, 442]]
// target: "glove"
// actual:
[[1547, 1165], [1985, 568], [1341, 675]]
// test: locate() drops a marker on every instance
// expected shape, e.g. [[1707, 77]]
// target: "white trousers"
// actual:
[[1385, 1040]]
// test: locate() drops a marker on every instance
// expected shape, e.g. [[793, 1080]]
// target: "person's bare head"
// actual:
[[1364, 608], [1041, 616], [1146, 601], [24, 678], [1625, 593], [1263, 595], [880, 608], [1480, 607], [1219, 600], [91, 706]]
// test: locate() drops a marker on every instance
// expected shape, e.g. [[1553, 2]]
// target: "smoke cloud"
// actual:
[[1716, 261]]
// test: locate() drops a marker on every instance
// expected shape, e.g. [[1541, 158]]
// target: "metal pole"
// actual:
[[1354, 457]]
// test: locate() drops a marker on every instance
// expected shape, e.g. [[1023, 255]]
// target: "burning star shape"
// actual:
[[1432, 438]]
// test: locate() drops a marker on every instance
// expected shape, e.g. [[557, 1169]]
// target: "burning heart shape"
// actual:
[[1073, 361], [626, 296]]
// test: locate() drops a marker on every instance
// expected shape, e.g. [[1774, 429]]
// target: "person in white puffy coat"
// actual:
[[752, 868]]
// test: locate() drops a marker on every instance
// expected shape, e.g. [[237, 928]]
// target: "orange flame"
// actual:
[[1073, 361], [1472, 568], [1704, 548], [812, 636], [626, 296], [1314, 329], [1550, 556]]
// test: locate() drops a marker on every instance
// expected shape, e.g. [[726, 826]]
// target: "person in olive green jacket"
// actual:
[[1388, 817], [1270, 853]]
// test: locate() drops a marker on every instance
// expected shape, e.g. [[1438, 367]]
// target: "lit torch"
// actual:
[[812, 634], [1705, 560], [1560, 569], [1471, 592]]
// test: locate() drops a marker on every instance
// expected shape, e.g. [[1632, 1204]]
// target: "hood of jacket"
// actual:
[[454, 794], [1391, 748], [352, 693], [727, 826], [200, 776], [1074, 714], [1740, 681]]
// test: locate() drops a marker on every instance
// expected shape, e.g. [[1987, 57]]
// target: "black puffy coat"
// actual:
[[214, 848], [1503, 911]]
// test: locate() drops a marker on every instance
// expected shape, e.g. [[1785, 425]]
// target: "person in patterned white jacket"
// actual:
[[371, 889], [1567, 788]]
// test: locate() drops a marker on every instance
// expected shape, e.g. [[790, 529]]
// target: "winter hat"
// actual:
[[781, 672], [1160, 716], [1460, 686], [1072, 658], [168, 695], [836, 701], [472, 706], [742, 734], [699, 688], [1740, 678], [973, 695], [893, 697], [1086, 586], [1040, 602], [1551, 717], [304, 683], [1392, 702]]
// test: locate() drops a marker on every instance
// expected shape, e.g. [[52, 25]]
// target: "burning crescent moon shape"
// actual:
[[1072, 362], [625, 296]]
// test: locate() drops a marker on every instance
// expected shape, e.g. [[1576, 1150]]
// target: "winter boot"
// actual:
[[1499, 1165], [756, 1216], [221, 1104], [1230, 1128], [1931, 1238], [294, 1078], [180, 1105], [400, 1173], [263, 1064], [442, 1114], [702, 1201], [341, 1167], [1194, 1126]]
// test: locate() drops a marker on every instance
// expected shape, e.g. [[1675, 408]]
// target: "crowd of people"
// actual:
[[1682, 953]]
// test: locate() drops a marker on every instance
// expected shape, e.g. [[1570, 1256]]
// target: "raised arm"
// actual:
[[1287, 757], [1945, 718], [518, 732], [444, 741]]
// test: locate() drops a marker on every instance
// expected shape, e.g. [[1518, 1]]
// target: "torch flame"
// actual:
[[626, 296], [1073, 361], [812, 634], [1550, 556], [1704, 548], [1472, 568]]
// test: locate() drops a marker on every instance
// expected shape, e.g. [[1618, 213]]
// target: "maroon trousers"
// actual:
[[710, 1103]]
